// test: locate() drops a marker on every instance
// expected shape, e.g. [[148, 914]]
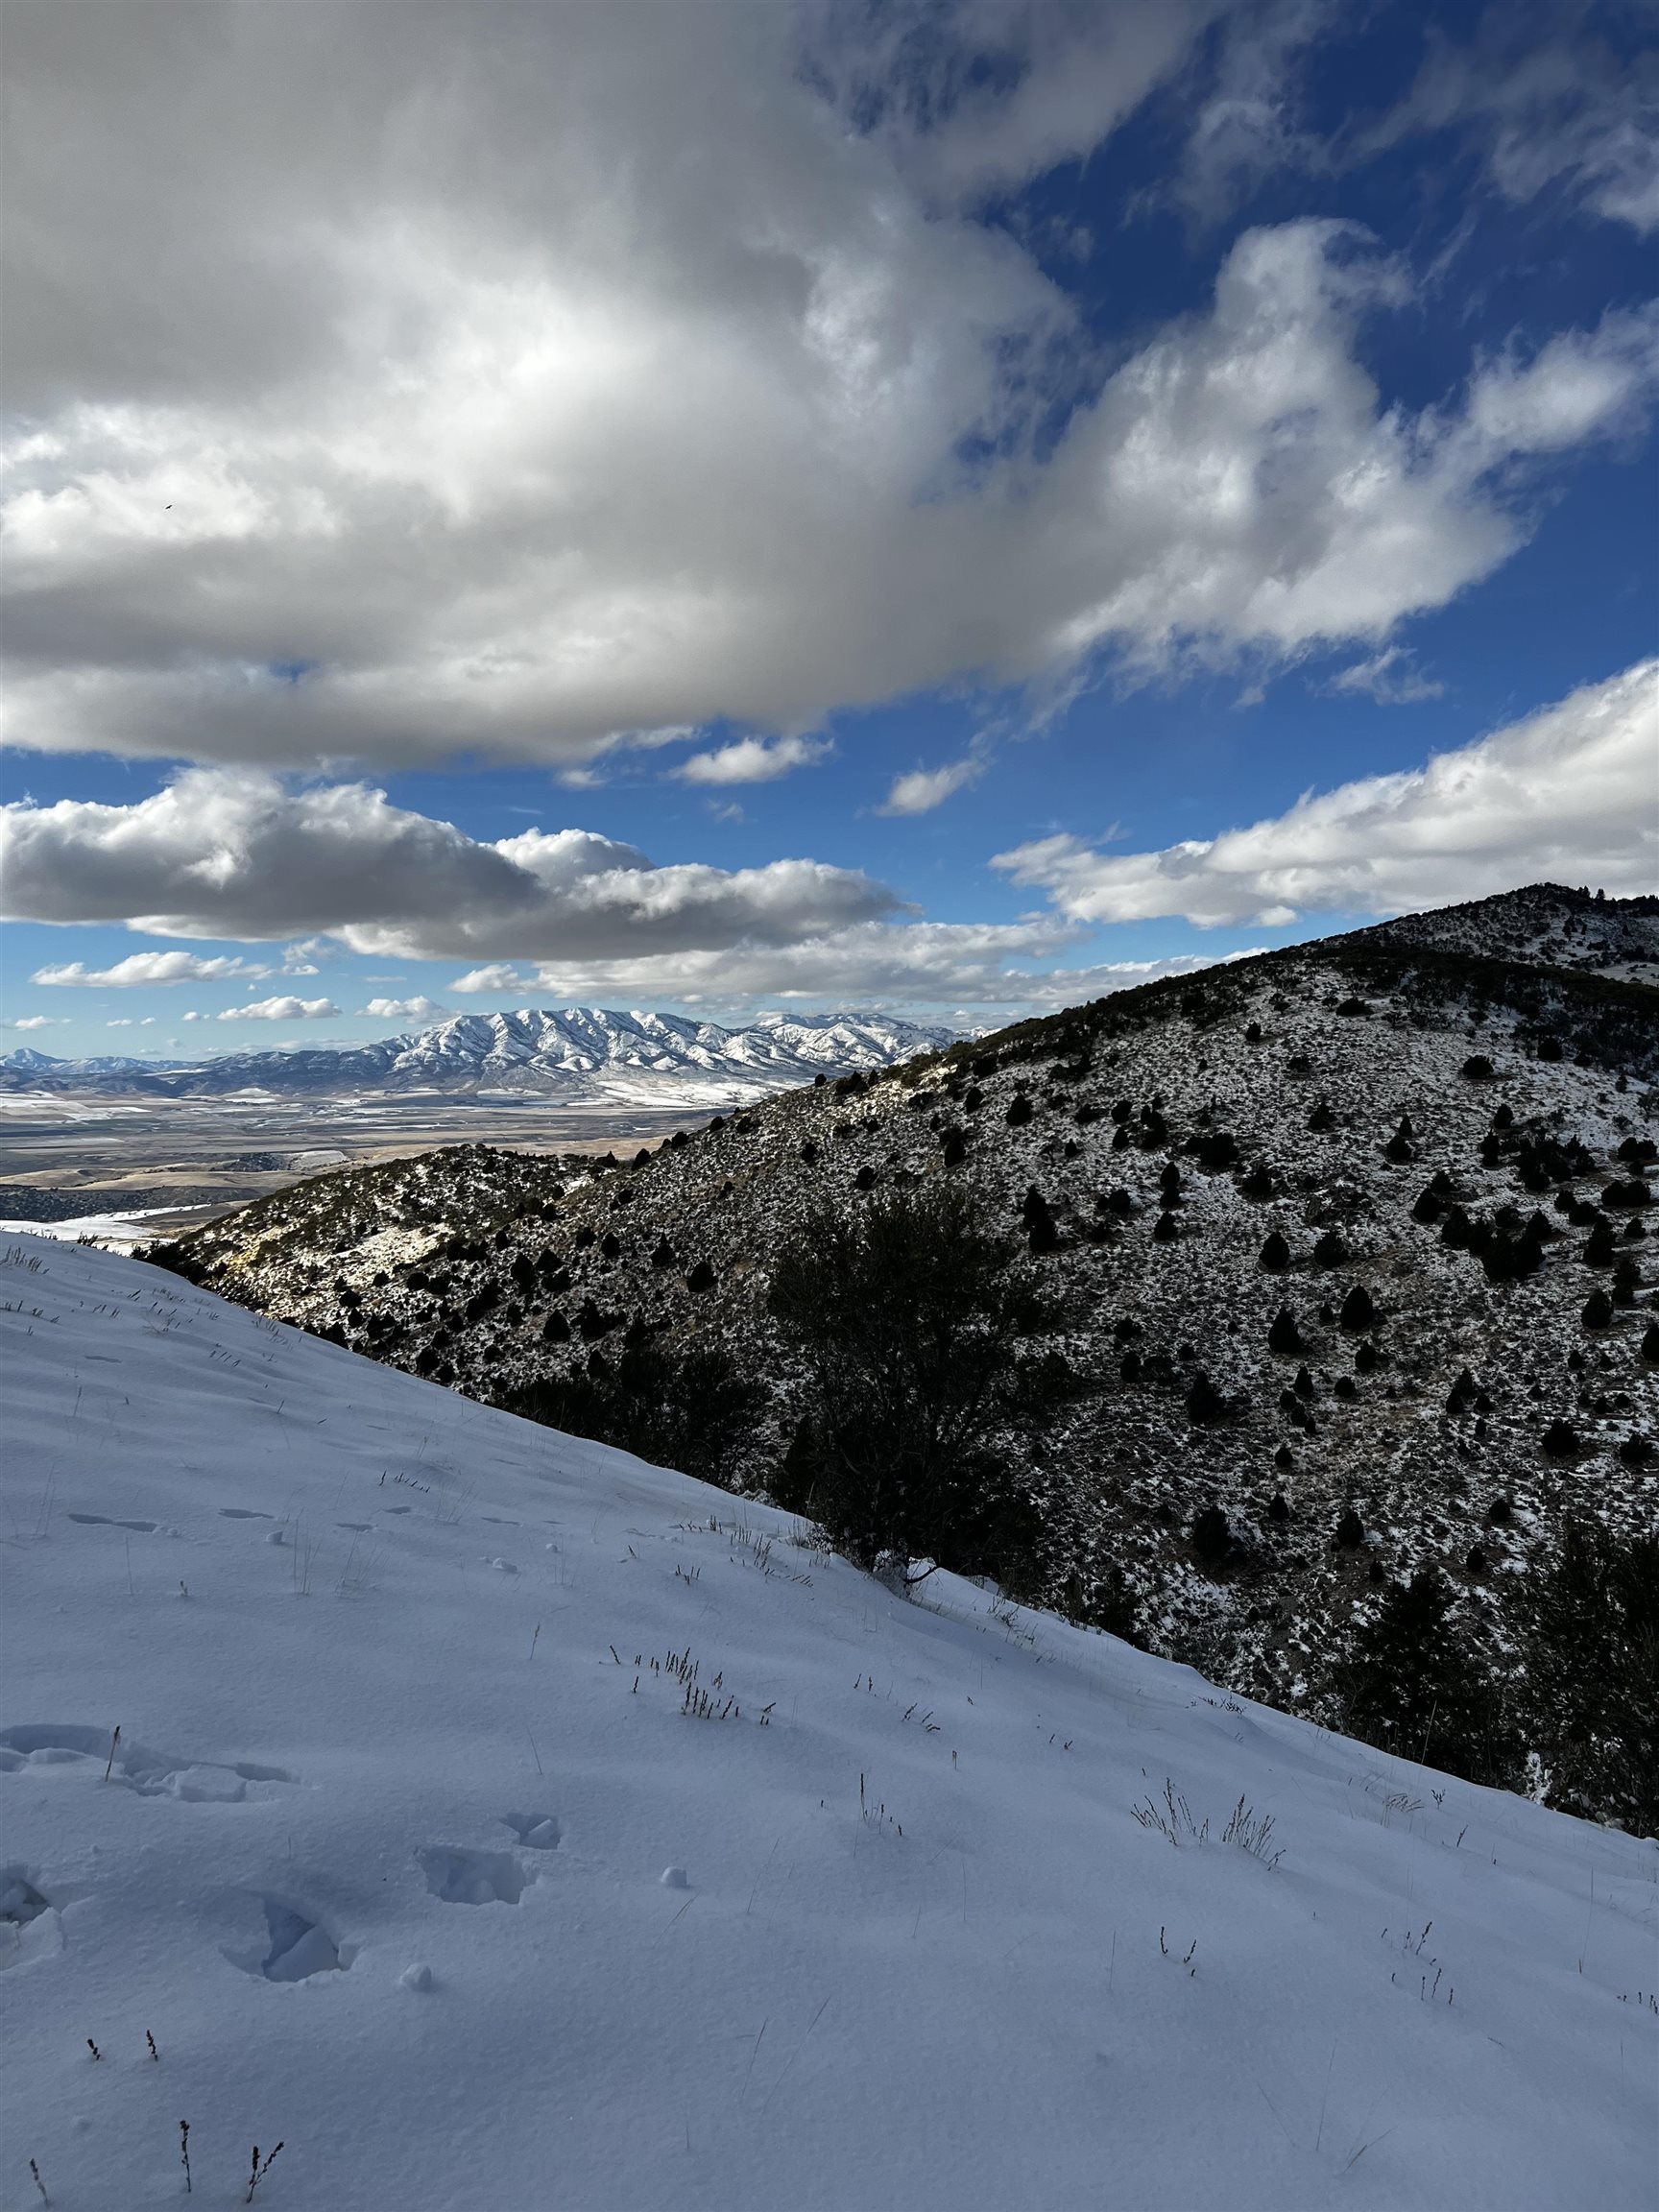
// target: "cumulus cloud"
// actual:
[[463, 435], [1565, 794], [224, 853], [34, 1021], [282, 1009], [922, 789], [497, 976], [141, 969], [417, 1009], [753, 760]]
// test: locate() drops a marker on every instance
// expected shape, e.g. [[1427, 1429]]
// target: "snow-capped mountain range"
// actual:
[[578, 1054]]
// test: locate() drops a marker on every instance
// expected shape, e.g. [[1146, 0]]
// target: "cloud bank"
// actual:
[[221, 854], [1567, 795], [463, 437]]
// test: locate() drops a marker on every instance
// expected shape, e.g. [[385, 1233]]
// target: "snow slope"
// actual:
[[372, 1649]]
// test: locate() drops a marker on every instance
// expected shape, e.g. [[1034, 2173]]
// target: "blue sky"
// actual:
[[943, 508]]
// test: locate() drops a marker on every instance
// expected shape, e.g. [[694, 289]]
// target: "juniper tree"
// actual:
[[1592, 1654], [1411, 1685], [914, 1323]]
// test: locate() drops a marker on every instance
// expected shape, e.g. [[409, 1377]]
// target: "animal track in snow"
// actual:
[[20, 1902], [474, 1877], [536, 1831], [242, 1513], [108, 1520], [149, 1773], [400, 1508], [360, 1528], [298, 1947]]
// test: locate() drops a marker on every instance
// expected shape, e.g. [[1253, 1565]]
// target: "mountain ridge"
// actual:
[[568, 1055]]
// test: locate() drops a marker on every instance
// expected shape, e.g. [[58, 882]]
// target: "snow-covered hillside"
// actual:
[[497, 1821], [582, 1054]]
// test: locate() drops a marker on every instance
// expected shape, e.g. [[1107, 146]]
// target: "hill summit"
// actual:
[[1345, 1251]]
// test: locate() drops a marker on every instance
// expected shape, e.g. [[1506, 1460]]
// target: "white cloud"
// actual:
[[418, 1009], [931, 964], [141, 969], [34, 1021], [922, 789], [227, 853], [1388, 678], [753, 760], [282, 1009], [1573, 113], [1565, 795], [497, 976], [579, 389]]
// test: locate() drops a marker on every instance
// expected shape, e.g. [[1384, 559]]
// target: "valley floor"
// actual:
[[498, 1822]]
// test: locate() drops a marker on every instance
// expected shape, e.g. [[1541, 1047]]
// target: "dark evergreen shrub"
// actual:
[[1322, 1117], [1205, 1404], [1257, 1184], [1284, 1459], [1636, 1451], [1477, 1068], [1166, 1230], [1625, 1198], [1019, 1112], [1591, 1650], [1331, 1251], [1597, 1311], [1560, 1440], [1410, 1685], [1277, 1509], [1212, 1537], [1350, 1531], [865, 1179], [692, 1411], [1214, 1151], [556, 1329], [1358, 1310], [914, 1322], [700, 1277], [1598, 1245], [1275, 1254], [1283, 1336]]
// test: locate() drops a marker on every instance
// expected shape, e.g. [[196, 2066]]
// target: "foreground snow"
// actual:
[[407, 1860]]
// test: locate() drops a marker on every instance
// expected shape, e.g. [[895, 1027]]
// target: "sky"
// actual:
[[946, 508]]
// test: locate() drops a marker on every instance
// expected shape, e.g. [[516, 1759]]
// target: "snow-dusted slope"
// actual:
[[582, 1054], [404, 1757]]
